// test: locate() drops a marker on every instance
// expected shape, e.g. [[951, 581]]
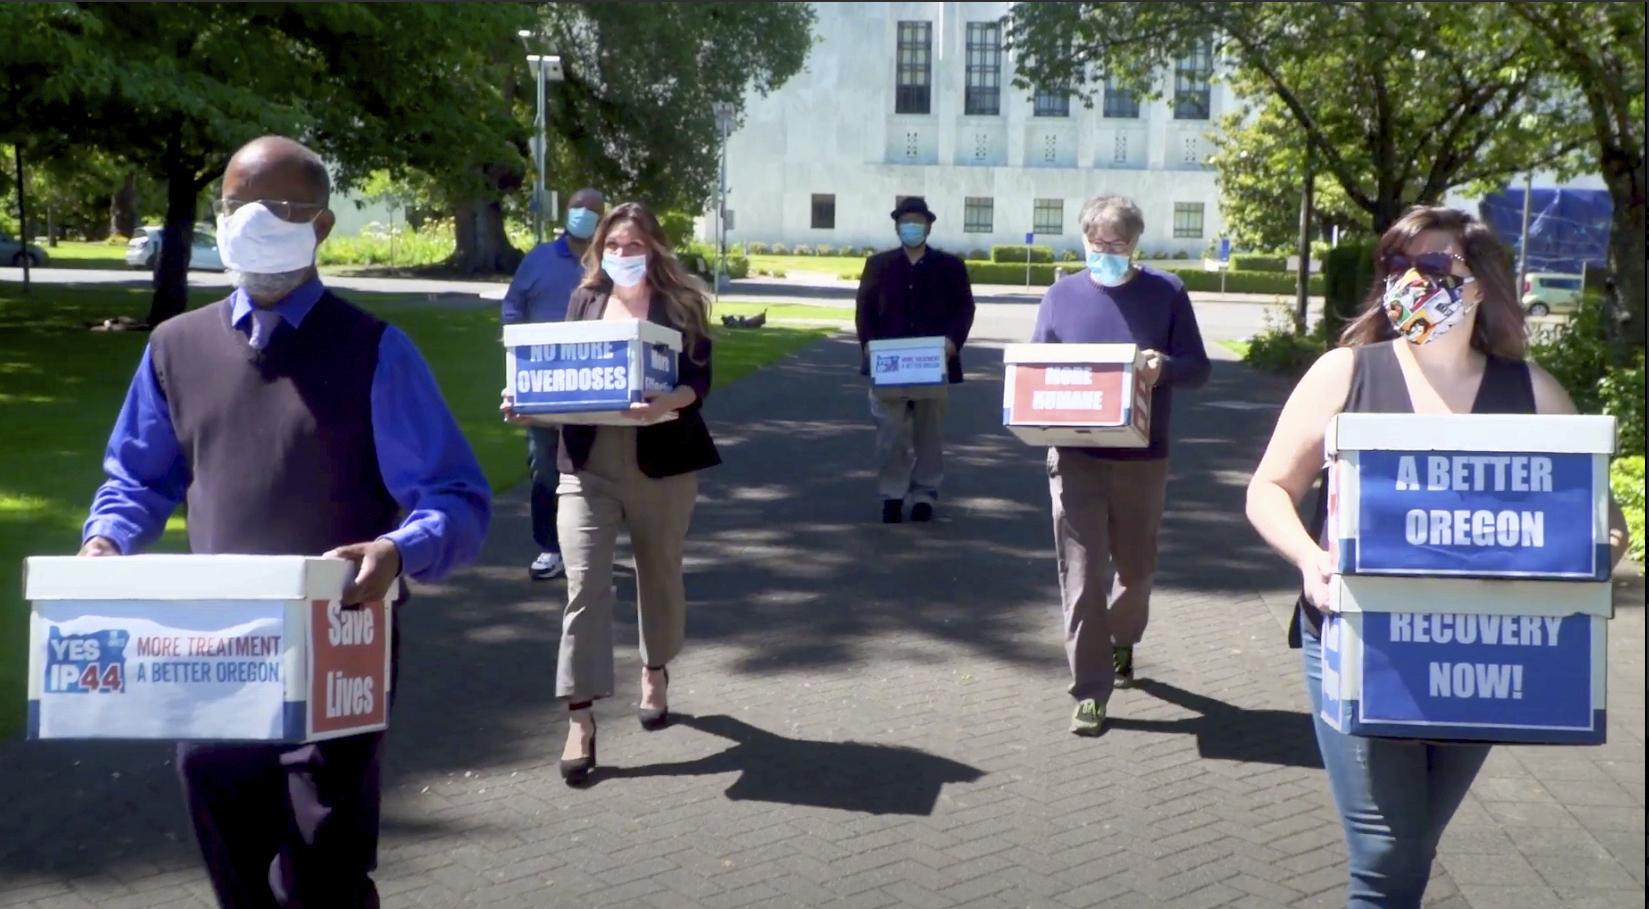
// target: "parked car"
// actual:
[[13, 254], [144, 250], [1545, 293]]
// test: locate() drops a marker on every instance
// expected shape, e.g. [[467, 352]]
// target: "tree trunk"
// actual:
[[482, 246], [176, 238], [123, 208], [1626, 176], [1302, 290]]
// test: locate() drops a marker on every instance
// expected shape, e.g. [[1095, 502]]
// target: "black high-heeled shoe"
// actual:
[[656, 718], [576, 772]]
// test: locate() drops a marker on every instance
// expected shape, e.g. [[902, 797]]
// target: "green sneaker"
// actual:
[[1088, 718], [1123, 659]]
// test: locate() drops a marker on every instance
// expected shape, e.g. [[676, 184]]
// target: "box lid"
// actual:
[[1471, 596], [184, 577], [906, 343], [1039, 354], [1547, 434], [585, 332]]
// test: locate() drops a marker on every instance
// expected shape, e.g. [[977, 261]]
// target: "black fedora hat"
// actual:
[[913, 205]]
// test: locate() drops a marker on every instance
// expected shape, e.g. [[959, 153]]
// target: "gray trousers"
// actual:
[[910, 435], [1106, 518], [609, 494]]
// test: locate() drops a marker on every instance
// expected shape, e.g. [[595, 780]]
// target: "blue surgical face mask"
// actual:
[[581, 223], [626, 271], [912, 234], [1108, 269]]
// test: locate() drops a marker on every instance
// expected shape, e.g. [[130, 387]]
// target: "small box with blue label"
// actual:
[[1455, 659], [588, 372], [907, 363], [1470, 495]]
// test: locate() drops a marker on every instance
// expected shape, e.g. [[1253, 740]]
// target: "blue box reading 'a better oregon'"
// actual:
[[1470, 495], [1457, 659], [588, 372]]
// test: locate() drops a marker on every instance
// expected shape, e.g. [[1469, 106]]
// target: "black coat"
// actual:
[[927, 298]]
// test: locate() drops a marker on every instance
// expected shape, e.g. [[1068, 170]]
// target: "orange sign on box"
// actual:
[[1069, 394], [1080, 395], [349, 663]]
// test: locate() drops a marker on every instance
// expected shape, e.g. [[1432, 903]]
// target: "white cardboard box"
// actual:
[[907, 362], [1457, 659], [1470, 495], [202, 647], [588, 372], [1076, 395]]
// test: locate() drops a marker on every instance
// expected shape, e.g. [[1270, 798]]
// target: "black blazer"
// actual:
[[666, 449]]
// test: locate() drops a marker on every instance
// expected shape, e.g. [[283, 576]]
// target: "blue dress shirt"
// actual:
[[426, 462], [543, 284]]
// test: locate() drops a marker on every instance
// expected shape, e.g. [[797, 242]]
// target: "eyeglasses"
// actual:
[[1117, 247], [296, 212], [1435, 265]]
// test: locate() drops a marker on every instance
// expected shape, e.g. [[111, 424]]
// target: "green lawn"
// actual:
[[846, 267], [61, 385], [1240, 348], [782, 312], [77, 254]]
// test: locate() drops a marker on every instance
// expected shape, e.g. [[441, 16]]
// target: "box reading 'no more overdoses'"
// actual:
[[588, 372], [1076, 395], [205, 648]]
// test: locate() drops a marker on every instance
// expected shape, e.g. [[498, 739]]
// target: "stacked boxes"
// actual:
[[1077, 395], [588, 372], [1472, 593]]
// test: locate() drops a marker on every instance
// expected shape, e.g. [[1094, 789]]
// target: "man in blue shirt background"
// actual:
[[539, 293]]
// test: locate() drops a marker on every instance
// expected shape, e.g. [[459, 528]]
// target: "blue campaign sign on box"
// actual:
[[1483, 514], [589, 375]]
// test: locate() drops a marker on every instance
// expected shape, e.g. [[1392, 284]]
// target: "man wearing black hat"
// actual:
[[914, 291]]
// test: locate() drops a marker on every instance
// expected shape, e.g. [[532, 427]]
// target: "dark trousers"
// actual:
[[541, 465]]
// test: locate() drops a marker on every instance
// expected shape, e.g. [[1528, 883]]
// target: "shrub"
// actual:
[[1182, 254], [868, 251], [803, 250], [1259, 263], [978, 255], [825, 249], [757, 249], [1621, 391], [1016, 253], [1201, 280], [779, 249], [1070, 255], [776, 272], [1348, 272], [1626, 481], [738, 266]]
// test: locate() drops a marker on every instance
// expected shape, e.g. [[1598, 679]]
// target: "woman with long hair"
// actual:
[[642, 478], [1440, 333]]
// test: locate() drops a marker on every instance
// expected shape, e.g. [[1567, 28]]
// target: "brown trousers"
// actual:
[[1106, 518]]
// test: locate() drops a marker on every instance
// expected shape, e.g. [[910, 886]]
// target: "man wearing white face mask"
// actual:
[[292, 423], [539, 292], [1107, 503]]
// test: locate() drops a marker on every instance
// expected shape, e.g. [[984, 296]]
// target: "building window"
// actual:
[[913, 92], [1188, 220], [1048, 217], [1051, 103], [1120, 104], [984, 89], [977, 215], [1191, 75], [824, 211]]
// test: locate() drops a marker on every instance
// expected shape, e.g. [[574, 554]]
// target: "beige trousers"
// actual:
[[1106, 518], [609, 494]]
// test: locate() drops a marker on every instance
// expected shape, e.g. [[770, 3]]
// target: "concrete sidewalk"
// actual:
[[874, 716]]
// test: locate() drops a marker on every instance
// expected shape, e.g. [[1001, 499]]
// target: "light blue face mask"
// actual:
[[1108, 269], [581, 223], [626, 271], [912, 234]]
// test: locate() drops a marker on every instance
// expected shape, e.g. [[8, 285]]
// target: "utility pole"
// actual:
[[1523, 239], [723, 112], [545, 69], [1302, 290], [22, 214]]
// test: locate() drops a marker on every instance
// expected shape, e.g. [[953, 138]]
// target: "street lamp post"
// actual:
[[723, 112], [545, 69]]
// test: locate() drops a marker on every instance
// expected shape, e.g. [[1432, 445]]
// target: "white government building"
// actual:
[[916, 99]]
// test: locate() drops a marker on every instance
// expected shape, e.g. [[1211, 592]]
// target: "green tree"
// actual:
[[1258, 166], [1397, 102]]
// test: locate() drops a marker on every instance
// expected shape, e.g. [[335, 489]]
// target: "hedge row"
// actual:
[[1195, 279], [1009, 252], [1259, 263]]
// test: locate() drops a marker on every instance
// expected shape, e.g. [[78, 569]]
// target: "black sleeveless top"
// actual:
[[1377, 386]]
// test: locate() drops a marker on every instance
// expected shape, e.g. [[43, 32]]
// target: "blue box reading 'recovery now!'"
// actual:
[[1470, 495], [588, 372]]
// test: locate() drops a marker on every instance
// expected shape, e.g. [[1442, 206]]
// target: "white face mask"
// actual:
[[626, 271], [253, 241]]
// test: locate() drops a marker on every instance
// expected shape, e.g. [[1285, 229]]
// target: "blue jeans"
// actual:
[[1395, 797], [542, 502]]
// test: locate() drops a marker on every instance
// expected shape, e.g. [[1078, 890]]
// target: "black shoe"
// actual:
[[893, 511], [921, 511], [656, 718], [576, 772]]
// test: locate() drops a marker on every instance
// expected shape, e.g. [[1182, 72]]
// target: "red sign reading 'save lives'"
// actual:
[[1085, 395], [349, 650]]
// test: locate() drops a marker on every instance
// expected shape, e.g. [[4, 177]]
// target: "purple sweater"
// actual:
[[1152, 310]]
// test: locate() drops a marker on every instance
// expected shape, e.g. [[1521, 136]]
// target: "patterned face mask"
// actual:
[[1424, 307]]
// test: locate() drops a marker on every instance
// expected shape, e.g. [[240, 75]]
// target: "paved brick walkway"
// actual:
[[874, 716]]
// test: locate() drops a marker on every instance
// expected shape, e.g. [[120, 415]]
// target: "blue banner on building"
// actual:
[[589, 376]]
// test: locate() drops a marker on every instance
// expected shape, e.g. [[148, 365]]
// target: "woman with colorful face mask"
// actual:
[[639, 478], [1441, 333]]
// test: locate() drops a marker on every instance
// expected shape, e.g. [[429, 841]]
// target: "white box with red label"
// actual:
[[1076, 395], [202, 648]]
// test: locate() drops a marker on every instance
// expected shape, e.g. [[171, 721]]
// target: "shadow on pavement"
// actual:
[[847, 776], [1227, 733]]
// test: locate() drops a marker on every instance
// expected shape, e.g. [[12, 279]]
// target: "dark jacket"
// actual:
[[927, 298], [666, 449]]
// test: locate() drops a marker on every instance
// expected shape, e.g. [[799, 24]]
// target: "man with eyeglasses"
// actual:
[[292, 423], [539, 292], [1108, 502]]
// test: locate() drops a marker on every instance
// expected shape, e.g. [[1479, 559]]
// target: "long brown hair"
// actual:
[[1499, 329], [686, 298]]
